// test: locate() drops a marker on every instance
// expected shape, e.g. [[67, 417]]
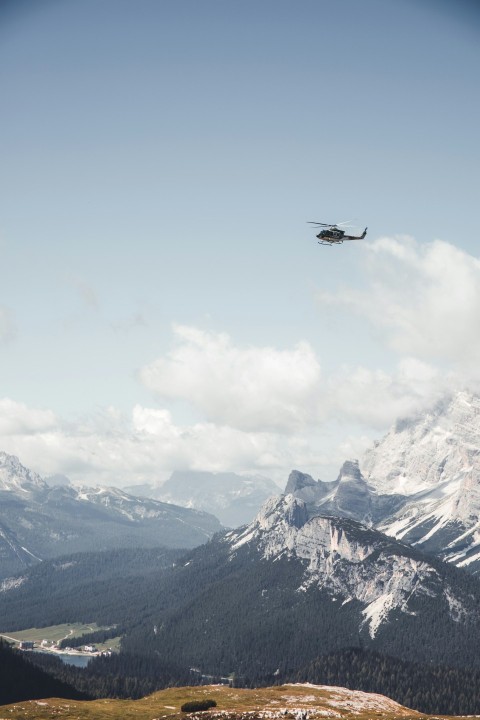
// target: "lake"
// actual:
[[77, 660]]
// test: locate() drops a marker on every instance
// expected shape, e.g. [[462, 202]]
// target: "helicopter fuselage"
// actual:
[[334, 235]]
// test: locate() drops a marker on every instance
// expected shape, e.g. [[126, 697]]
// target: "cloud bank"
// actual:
[[266, 410], [251, 389], [424, 298]]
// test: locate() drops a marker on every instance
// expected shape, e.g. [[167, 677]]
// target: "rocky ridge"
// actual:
[[349, 561]]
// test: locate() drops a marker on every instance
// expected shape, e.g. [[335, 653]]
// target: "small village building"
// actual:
[[26, 645]]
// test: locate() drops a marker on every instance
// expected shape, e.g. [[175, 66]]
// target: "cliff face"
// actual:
[[349, 561]]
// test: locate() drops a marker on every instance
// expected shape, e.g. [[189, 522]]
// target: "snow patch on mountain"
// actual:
[[11, 583]]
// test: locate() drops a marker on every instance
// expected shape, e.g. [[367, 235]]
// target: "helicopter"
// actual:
[[333, 233]]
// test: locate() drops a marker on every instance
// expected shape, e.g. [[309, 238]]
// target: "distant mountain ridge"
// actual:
[[38, 521], [234, 499]]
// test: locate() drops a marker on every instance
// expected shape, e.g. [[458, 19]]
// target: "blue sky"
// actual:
[[160, 160]]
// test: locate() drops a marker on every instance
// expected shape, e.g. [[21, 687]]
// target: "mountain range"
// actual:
[[38, 521], [384, 559], [272, 595]]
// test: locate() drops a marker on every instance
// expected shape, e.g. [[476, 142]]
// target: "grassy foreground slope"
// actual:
[[282, 701]]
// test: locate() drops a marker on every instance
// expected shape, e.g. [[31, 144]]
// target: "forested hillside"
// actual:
[[86, 587], [121, 675], [428, 688], [239, 613]]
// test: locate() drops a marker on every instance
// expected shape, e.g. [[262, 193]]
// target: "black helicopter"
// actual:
[[333, 234]]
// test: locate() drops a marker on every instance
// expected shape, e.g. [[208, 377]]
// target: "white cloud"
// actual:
[[18, 419], [263, 389], [375, 398], [113, 449], [253, 388], [424, 297]]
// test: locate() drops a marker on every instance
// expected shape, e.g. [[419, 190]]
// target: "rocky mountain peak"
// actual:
[[15, 477], [348, 496], [287, 510], [305, 488], [275, 525], [350, 471], [352, 497], [297, 481]]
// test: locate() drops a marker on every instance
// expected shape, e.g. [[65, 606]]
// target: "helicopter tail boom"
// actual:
[[356, 237]]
